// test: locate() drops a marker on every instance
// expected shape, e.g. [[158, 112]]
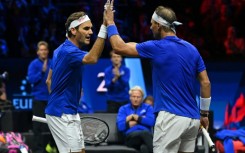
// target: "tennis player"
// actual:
[[66, 77], [176, 65]]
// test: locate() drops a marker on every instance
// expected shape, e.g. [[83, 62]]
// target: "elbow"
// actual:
[[48, 82], [90, 60], [118, 51], [94, 60], [206, 84]]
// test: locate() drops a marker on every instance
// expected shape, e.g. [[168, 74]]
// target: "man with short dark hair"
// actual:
[[117, 78], [65, 81]]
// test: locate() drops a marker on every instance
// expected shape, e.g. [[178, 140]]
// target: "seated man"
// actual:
[[136, 120]]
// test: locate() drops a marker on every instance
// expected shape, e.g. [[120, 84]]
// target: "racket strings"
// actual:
[[94, 130]]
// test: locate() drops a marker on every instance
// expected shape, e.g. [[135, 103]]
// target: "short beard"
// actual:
[[157, 36]]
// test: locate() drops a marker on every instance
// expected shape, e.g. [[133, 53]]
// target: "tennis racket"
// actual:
[[95, 130], [210, 142]]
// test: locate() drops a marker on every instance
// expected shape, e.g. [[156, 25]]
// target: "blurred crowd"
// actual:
[[215, 27]]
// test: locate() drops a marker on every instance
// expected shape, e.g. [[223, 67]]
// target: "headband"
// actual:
[[79, 21], [164, 22]]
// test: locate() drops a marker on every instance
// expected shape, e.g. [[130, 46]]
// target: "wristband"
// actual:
[[205, 103], [102, 32], [112, 30], [204, 115]]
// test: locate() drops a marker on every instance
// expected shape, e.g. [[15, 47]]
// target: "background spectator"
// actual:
[[117, 78], [37, 73], [205, 22], [149, 100], [233, 45], [135, 120]]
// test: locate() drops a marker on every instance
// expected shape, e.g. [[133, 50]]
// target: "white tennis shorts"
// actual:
[[174, 133], [67, 132]]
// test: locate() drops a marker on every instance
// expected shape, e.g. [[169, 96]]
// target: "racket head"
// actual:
[[95, 130]]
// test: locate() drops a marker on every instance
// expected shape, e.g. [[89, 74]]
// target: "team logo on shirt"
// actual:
[[142, 112], [122, 72]]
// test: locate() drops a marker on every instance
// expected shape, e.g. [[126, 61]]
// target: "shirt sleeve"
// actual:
[[200, 64], [34, 72], [149, 118], [76, 57], [121, 119], [145, 49], [108, 78], [124, 78]]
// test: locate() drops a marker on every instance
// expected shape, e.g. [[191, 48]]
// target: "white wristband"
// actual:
[[205, 103], [103, 32]]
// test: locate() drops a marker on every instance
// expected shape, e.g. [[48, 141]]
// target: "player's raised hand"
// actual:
[[109, 12], [109, 5]]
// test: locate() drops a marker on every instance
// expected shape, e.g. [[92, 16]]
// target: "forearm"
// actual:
[[116, 41], [48, 82], [34, 77], [95, 52], [123, 80], [117, 44], [148, 120], [205, 90], [114, 79], [205, 96]]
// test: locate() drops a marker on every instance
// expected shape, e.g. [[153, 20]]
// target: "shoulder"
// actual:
[[125, 67], [148, 106], [34, 61], [126, 106], [147, 43], [108, 68]]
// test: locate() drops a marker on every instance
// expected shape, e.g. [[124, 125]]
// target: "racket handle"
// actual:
[[39, 119], [210, 142], [212, 148]]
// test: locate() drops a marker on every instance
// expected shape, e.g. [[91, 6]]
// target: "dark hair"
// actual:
[[72, 17], [149, 98], [112, 51], [167, 14]]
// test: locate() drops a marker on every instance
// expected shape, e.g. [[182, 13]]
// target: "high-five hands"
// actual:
[[109, 5], [109, 12]]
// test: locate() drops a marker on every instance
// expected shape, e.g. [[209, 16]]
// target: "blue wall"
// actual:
[[227, 80]]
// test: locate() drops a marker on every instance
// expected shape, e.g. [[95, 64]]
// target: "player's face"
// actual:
[[43, 52], [84, 33], [136, 98], [155, 29], [116, 59]]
